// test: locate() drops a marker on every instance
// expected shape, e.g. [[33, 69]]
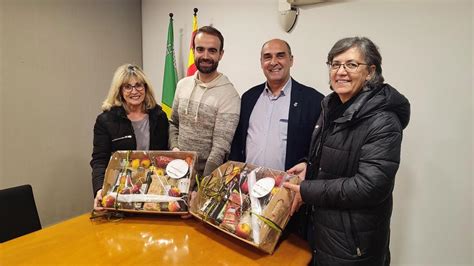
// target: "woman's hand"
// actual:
[[97, 201], [175, 149], [299, 170], [297, 201]]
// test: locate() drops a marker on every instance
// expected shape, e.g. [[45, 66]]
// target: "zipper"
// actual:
[[124, 137], [321, 131], [317, 151], [351, 228]]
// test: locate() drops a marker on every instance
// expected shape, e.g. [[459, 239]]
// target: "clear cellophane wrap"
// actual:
[[224, 201], [138, 181]]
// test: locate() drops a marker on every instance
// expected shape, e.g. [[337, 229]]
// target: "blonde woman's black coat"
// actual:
[[113, 131]]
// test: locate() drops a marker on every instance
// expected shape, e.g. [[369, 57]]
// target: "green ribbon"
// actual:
[[268, 222], [198, 183]]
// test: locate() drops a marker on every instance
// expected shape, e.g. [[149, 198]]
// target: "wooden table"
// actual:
[[157, 240]]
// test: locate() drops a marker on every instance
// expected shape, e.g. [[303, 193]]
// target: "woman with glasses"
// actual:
[[350, 172], [131, 120]]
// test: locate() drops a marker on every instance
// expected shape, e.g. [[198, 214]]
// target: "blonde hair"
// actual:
[[123, 75]]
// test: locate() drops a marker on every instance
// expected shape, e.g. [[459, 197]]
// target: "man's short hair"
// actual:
[[211, 31], [286, 43]]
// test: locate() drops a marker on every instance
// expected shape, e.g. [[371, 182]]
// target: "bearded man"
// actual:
[[206, 107]]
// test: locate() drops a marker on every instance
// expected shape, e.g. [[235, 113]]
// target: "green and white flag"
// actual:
[[170, 78]]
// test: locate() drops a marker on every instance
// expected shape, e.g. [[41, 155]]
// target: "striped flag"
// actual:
[[191, 66], [170, 77]]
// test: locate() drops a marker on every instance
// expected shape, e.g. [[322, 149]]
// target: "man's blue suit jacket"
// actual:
[[305, 107]]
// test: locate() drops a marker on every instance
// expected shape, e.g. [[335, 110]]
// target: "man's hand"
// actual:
[[299, 170], [297, 201]]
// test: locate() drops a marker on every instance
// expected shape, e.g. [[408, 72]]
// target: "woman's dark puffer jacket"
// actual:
[[351, 175], [113, 131]]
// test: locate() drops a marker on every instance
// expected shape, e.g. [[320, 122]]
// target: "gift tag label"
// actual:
[[177, 168], [262, 187], [183, 185]]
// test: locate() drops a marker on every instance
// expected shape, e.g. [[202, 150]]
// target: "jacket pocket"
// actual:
[[351, 234], [283, 129]]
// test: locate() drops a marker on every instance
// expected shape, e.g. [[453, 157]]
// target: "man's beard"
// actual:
[[206, 69]]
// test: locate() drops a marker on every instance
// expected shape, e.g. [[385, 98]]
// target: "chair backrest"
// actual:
[[18, 213]]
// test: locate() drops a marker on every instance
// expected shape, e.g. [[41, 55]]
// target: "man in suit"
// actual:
[[277, 117]]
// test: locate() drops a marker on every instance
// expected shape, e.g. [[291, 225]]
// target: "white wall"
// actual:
[[427, 54], [56, 64]]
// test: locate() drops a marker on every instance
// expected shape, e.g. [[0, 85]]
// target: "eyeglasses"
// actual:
[[348, 66], [130, 87]]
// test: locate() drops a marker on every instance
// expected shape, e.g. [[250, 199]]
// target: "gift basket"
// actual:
[[149, 181], [246, 201]]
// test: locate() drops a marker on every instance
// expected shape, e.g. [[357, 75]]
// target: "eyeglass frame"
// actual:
[[344, 65], [129, 88]]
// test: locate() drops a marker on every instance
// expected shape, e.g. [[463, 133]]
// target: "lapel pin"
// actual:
[[295, 104]]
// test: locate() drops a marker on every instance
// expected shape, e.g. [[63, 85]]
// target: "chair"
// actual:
[[18, 214]]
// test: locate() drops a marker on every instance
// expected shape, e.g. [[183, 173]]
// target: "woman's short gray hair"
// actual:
[[368, 49]]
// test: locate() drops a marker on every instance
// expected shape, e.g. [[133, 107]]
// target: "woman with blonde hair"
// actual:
[[131, 120]]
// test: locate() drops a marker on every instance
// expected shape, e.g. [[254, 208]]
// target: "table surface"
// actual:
[[159, 240]]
